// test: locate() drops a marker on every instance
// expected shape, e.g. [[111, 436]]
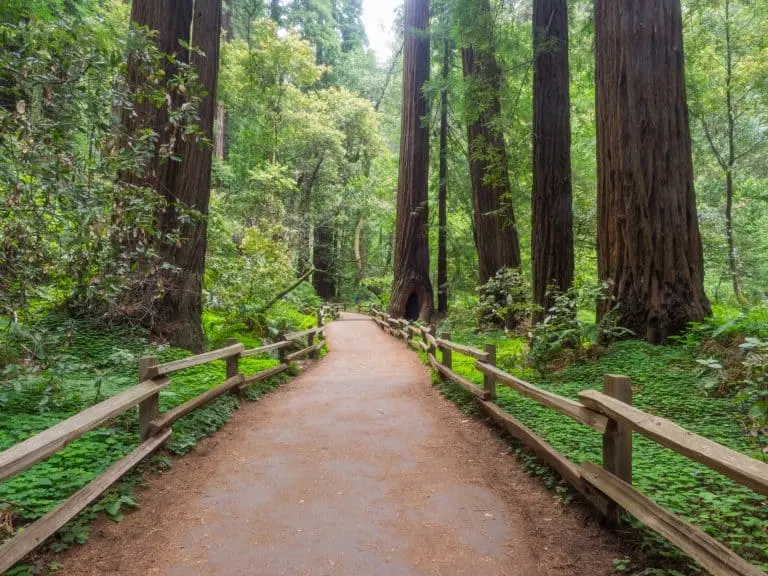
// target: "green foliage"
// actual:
[[301, 156], [63, 145], [727, 76], [734, 363], [667, 381], [504, 300], [79, 362], [563, 330]]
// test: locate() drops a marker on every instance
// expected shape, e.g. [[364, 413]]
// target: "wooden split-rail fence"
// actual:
[[155, 428], [610, 412]]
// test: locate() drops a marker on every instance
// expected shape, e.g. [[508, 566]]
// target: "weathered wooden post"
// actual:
[[149, 409], [430, 343], [232, 361], [446, 356], [282, 352], [233, 365], [320, 323], [617, 439], [489, 383], [311, 342]]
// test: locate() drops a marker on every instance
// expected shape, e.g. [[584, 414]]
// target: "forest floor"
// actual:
[[358, 466]]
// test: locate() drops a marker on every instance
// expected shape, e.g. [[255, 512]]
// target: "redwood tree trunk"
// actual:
[[411, 288], [172, 20], [182, 303], [442, 190], [184, 185], [552, 242], [649, 247], [495, 232]]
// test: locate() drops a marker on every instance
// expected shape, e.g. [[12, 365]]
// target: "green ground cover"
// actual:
[[666, 382], [87, 364]]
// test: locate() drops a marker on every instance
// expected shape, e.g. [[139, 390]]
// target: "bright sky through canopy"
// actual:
[[378, 19]]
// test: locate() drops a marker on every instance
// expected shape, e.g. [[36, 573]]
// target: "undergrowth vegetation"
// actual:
[[63, 365], [711, 381]]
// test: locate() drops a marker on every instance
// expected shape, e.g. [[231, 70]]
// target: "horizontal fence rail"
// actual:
[[737, 466], [183, 364], [609, 488], [31, 451], [155, 428]]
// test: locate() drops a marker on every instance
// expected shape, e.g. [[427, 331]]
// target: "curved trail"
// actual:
[[357, 467]]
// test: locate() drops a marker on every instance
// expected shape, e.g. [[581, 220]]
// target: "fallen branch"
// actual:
[[285, 292]]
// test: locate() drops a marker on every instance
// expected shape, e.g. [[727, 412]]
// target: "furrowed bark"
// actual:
[[649, 248], [552, 238], [182, 303], [411, 288], [494, 218]]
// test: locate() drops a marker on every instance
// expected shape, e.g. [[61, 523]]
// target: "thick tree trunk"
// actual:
[[184, 185], [322, 255], [649, 247], [182, 303], [172, 21], [495, 231], [411, 288], [442, 190], [552, 242]]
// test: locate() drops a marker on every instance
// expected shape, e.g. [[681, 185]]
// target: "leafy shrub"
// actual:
[[381, 287], [754, 394], [563, 329], [504, 300], [67, 230], [740, 372], [462, 315]]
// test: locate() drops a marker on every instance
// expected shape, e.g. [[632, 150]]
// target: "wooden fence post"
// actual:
[[233, 365], [281, 353], [489, 384], [311, 342], [320, 324], [232, 361], [617, 439], [446, 356], [149, 409]]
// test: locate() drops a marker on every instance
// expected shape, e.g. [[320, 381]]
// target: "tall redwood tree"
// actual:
[[185, 185], [183, 301], [411, 289], [552, 242], [494, 218], [649, 247]]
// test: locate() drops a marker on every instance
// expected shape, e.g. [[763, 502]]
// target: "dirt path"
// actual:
[[358, 467]]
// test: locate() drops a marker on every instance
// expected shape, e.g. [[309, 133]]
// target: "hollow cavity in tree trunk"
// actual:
[[412, 307]]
